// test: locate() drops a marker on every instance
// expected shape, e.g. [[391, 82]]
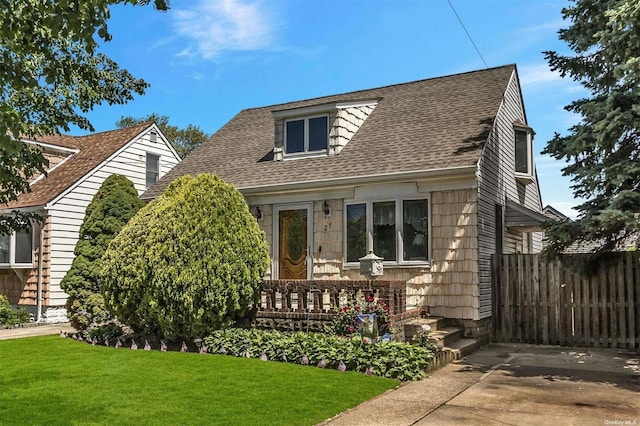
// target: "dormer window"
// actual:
[[307, 135], [523, 154], [318, 130]]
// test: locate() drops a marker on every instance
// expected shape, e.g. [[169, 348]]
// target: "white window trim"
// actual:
[[306, 152], [275, 263], [400, 262], [12, 253], [526, 177]]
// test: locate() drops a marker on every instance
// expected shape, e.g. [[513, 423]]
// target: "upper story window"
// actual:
[[306, 135], [523, 154], [396, 230], [153, 137], [16, 249], [152, 169]]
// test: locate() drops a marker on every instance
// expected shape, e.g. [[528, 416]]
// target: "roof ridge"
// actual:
[[141, 125], [513, 65]]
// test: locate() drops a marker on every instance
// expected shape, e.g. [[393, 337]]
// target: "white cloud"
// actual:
[[224, 25], [537, 74]]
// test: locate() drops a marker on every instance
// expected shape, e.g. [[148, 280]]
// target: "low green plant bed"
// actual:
[[52, 381], [10, 317], [388, 359]]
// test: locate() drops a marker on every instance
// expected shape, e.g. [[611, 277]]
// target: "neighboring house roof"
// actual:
[[553, 213], [431, 124], [94, 149], [580, 247]]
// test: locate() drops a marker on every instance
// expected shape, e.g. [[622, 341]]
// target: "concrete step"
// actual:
[[463, 347], [447, 336], [412, 327]]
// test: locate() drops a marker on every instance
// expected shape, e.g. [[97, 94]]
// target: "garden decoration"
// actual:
[[147, 346], [304, 360], [106, 342], [263, 357], [203, 349], [342, 367], [367, 325], [163, 346], [184, 348], [134, 345], [93, 341], [118, 343], [322, 363]]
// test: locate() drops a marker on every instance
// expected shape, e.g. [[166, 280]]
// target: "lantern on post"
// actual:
[[371, 266]]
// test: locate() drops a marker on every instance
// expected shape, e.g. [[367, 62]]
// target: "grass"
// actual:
[[49, 380]]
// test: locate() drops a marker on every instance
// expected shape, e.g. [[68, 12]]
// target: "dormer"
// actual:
[[318, 130]]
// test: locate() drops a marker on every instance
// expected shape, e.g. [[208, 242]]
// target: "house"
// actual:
[[434, 176], [630, 243], [34, 261]]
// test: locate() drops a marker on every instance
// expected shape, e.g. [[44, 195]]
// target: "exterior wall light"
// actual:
[[325, 209]]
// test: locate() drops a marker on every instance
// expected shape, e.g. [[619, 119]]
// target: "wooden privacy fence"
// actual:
[[557, 303]]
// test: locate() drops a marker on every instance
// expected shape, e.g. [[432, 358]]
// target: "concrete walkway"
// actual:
[[34, 330], [515, 385]]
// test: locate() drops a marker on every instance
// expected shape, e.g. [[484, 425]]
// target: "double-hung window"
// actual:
[[396, 230], [152, 169], [16, 249], [306, 135], [523, 154]]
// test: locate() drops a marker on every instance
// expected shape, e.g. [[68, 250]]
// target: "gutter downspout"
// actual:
[[39, 286]]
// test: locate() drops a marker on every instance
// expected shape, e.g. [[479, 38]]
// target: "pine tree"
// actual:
[[111, 208], [602, 151]]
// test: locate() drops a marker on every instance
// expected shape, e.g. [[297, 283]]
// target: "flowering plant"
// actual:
[[345, 323]]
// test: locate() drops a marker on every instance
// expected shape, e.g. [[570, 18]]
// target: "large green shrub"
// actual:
[[111, 208], [188, 263]]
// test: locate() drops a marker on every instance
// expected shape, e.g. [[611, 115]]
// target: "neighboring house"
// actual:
[[585, 247], [33, 262], [435, 176]]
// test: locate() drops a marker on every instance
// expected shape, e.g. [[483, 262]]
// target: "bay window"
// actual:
[[396, 230], [523, 154]]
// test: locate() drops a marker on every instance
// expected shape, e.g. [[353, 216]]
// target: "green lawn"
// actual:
[[49, 380]]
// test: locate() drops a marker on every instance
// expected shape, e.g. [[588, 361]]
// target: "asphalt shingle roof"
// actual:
[[94, 149], [423, 125]]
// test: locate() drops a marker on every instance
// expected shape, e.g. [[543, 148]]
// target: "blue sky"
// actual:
[[207, 59]]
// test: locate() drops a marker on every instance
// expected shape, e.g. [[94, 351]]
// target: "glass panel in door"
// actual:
[[292, 244]]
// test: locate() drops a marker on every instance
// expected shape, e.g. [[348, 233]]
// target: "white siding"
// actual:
[[496, 184], [68, 212]]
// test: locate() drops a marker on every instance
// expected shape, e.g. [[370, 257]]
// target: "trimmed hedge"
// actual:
[[189, 262], [394, 360]]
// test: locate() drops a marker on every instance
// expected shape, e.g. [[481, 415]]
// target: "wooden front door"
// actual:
[[292, 244]]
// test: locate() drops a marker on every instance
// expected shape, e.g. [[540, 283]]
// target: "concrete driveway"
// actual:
[[515, 385]]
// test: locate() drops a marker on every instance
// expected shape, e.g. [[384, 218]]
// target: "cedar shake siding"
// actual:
[[447, 143]]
